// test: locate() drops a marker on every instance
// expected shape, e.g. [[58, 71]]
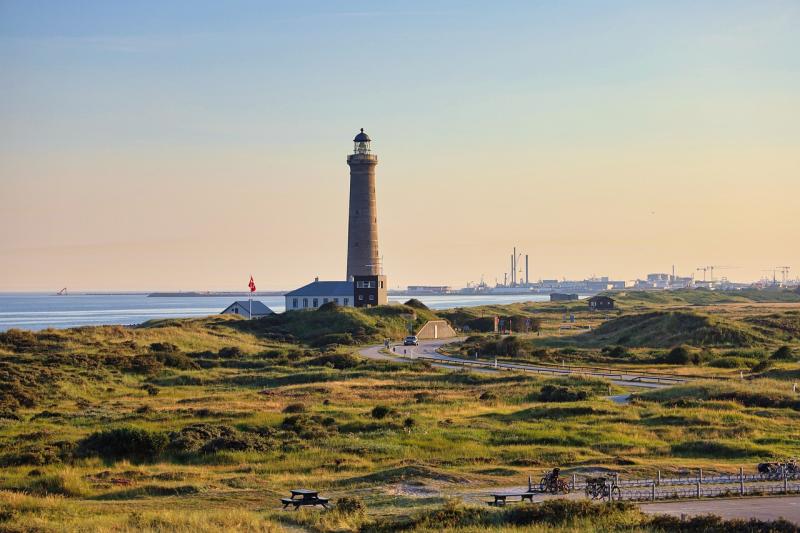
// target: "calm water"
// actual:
[[39, 311]]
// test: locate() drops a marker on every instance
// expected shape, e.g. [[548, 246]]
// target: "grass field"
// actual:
[[204, 424]]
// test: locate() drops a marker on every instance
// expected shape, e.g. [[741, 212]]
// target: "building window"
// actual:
[[381, 284], [371, 297], [294, 303], [336, 301], [324, 300], [316, 302], [347, 301], [305, 302], [360, 297]]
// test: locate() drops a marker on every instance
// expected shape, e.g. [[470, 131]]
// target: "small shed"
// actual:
[[242, 308], [600, 303]]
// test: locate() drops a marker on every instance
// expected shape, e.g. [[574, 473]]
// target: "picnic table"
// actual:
[[501, 497], [302, 497]]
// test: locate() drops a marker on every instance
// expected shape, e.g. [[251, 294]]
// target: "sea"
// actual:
[[36, 311]]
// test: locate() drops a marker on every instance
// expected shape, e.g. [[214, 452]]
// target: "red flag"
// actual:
[[252, 285]]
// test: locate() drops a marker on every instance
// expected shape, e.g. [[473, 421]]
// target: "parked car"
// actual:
[[411, 340]]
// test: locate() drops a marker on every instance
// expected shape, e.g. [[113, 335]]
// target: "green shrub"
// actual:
[[230, 352], [328, 307], [350, 505], [731, 362], [678, 356], [295, 408], [381, 411], [164, 347], [416, 304], [784, 353], [124, 443], [557, 393], [762, 366]]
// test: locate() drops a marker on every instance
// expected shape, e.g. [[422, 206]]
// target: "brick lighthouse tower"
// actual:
[[363, 259]]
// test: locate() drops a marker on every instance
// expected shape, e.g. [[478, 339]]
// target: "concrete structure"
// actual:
[[436, 329], [318, 293], [363, 258], [242, 308], [370, 290]]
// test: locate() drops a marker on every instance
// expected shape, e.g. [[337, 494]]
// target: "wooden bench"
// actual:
[[500, 498]]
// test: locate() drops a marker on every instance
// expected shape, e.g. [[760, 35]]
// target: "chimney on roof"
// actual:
[[316, 278]]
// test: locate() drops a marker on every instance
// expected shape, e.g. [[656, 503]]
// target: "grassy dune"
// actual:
[[203, 424]]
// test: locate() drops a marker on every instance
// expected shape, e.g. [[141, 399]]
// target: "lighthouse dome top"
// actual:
[[362, 137]]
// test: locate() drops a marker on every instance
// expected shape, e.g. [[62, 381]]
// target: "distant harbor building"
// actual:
[[242, 308], [600, 303], [365, 283], [562, 297]]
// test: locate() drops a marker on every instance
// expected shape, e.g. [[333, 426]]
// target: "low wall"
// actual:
[[436, 329]]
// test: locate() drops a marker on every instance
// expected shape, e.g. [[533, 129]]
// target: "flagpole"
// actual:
[[251, 298]]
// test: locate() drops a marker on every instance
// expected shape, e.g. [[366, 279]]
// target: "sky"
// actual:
[[185, 145]]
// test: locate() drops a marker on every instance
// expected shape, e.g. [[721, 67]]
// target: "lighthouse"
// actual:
[[363, 260]]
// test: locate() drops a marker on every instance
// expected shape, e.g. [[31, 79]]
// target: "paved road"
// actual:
[[429, 351], [787, 507]]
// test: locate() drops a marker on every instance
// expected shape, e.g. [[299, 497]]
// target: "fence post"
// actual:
[[784, 480], [741, 481], [574, 482], [700, 475], [653, 492], [698, 489], [659, 478], [616, 478], [530, 485]]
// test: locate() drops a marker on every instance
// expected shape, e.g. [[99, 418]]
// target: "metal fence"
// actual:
[[700, 486]]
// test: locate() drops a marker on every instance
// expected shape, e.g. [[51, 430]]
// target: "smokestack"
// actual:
[[527, 280], [514, 265], [511, 277]]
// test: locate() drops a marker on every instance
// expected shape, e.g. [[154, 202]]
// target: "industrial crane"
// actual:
[[710, 270], [784, 273]]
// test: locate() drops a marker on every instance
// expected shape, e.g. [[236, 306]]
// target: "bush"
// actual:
[[152, 390], [784, 353], [409, 423], [230, 352], [328, 307], [295, 408], [124, 443], [350, 505], [761, 366], [487, 396], [615, 351], [512, 346], [731, 362], [380, 412], [164, 347], [416, 304], [678, 356], [557, 393]]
